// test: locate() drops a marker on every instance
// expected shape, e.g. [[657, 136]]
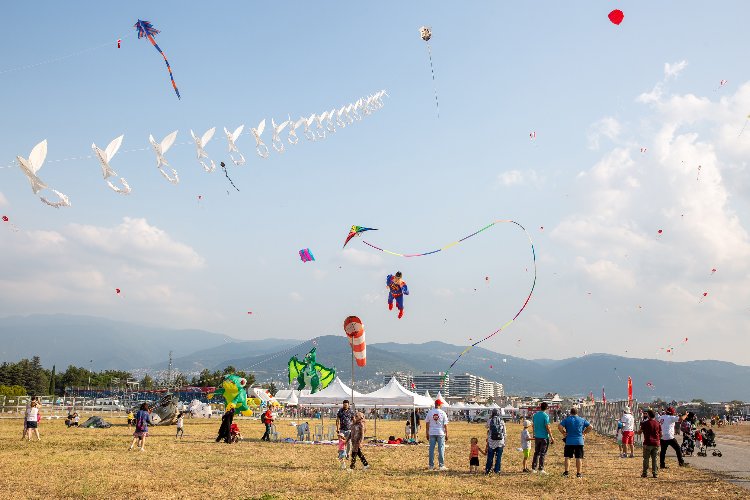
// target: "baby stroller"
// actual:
[[234, 433], [708, 440]]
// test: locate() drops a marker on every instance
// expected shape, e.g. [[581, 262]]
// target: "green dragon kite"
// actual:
[[233, 390], [309, 373]]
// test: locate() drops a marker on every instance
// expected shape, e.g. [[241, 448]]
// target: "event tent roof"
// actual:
[[333, 395], [393, 394]]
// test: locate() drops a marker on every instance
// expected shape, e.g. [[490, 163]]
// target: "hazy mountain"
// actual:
[[63, 340]]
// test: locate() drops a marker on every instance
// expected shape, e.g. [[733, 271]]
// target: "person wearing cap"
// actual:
[[667, 422], [436, 423], [526, 444], [628, 432]]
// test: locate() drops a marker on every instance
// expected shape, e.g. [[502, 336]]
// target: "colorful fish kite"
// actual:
[[356, 231], [146, 30], [306, 255]]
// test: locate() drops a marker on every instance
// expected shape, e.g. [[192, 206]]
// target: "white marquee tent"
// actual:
[[394, 395], [333, 395]]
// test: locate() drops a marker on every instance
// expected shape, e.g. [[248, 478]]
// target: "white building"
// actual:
[[432, 382]]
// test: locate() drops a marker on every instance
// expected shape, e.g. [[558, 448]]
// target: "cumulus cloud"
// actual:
[[671, 71], [606, 127], [77, 268], [517, 177]]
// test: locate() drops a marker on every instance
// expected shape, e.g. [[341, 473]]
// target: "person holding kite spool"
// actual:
[[396, 290]]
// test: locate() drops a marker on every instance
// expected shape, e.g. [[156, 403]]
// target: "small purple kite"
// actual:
[[306, 255]]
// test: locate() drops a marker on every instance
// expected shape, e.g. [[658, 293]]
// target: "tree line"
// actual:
[[30, 377]]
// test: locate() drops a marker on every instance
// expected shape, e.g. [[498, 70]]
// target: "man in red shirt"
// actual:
[[651, 430], [267, 419]]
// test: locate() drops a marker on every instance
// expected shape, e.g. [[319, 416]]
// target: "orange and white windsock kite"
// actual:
[[355, 331]]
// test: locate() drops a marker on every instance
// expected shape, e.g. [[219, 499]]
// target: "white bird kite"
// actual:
[[276, 141], [104, 158], [30, 168], [160, 150], [293, 126], [200, 144], [231, 139], [309, 133], [321, 131], [260, 146]]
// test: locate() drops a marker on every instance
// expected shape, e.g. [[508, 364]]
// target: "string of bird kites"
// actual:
[[315, 127]]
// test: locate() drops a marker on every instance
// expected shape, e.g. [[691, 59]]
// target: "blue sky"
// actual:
[[594, 93]]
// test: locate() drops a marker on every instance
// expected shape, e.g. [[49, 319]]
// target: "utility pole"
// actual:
[[169, 371]]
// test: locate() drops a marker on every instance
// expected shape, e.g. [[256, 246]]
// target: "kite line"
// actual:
[[450, 245]]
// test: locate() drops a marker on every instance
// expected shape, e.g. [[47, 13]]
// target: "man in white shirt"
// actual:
[[628, 432], [436, 422], [667, 422]]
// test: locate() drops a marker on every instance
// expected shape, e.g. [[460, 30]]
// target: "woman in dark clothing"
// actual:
[[226, 423]]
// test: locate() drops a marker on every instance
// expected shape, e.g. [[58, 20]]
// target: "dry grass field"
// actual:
[[95, 463], [739, 430]]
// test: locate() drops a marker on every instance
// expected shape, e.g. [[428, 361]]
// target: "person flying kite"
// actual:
[[396, 290]]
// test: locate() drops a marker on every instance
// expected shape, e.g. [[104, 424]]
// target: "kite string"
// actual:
[[276, 355], [525, 303], [437, 105], [61, 58]]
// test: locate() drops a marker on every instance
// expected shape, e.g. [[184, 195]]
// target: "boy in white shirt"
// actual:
[[525, 445]]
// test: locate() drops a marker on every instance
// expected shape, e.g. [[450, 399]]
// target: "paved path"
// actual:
[[734, 464]]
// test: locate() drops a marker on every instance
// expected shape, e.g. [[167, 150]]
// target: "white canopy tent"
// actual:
[[427, 394], [442, 398], [394, 395], [333, 395]]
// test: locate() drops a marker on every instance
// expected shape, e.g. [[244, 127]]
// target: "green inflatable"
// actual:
[[235, 396], [309, 373]]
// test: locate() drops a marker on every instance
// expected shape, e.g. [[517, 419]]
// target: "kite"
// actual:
[[745, 125], [119, 40], [309, 373], [226, 174], [396, 290], [330, 126], [146, 30], [643, 150], [659, 233], [426, 33], [276, 141], [260, 146], [650, 385], [705, 294], [104, 158], [308, 132], [721, 84], [713, 271], [233, 390], [200, 144], [306, 255], [30, 168], [532, 136], [12, 226], [320, 131], [161, 149], [355, 331], [697, 177], [356, 231], [616, 16], [293, 126], [117, 291], [450, 245], [231, 139]]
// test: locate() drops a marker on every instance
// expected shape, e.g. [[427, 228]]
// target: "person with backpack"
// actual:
[[142, 419], [495, 442], [267, 419]]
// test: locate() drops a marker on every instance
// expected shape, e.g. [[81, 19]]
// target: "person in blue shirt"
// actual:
[[142, 419], [542, 438], [573, 429]]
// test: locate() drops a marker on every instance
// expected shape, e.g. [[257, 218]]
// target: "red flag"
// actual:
[[591, 395], [413, 386], [630, 390], [604, 396]]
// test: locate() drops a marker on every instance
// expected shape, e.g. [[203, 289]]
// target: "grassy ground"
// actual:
[[741, 429], [95, 463]]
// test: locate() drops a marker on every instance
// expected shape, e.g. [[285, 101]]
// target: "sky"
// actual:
[[623, 118]]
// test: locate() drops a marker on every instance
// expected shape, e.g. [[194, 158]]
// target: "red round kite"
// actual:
[[616, 16]]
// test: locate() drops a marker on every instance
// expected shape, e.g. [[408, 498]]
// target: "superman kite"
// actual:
[[396, 290]]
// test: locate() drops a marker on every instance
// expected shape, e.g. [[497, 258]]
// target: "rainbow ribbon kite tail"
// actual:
[[451, 245], [146, 30]]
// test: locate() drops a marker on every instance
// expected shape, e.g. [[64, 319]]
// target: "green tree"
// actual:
[[147, 382], [180, 380], [12, 390], [271, 388]]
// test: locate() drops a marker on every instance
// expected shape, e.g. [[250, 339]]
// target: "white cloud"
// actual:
[[670, 71], [443, 292], [360, 258], [516, 177], [674, 69], [606, 127]]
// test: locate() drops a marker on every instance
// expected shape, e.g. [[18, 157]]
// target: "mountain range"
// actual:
[[105, 344]]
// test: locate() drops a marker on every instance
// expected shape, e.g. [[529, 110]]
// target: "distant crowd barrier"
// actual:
[[604, 416]]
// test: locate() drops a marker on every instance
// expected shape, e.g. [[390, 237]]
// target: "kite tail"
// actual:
[[437, 105], [169, 68], [226, 174]]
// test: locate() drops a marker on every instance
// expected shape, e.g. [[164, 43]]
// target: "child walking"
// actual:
[[525, 445], [180, 430], [342, 450], [356, 436], [474, 455]]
